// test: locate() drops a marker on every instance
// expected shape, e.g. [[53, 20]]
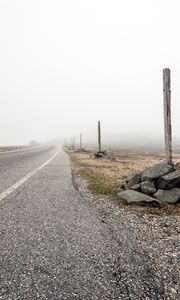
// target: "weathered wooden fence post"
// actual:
[[74, 142], [99, 135], [167, 115], [80, 141]]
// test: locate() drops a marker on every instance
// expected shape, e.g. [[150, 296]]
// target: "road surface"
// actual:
[[56, 245]]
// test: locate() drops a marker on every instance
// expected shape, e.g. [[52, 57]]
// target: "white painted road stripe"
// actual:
[[25, 178]]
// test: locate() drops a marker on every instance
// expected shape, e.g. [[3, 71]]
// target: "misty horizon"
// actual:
[[67, 64]]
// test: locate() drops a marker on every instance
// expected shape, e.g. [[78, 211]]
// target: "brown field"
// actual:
[[13, 148], [105, 175], [119, 166]]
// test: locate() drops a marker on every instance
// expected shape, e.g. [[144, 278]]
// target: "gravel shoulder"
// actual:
[[60, 241], [147, 251]]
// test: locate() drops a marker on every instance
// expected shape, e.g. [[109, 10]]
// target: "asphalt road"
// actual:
[[51, 243], [55, 245], [16, 164]]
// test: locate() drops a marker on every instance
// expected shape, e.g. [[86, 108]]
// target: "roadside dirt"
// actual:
[[147, 264]]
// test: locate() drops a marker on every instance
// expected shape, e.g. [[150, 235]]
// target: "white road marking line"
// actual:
[[25, 178]]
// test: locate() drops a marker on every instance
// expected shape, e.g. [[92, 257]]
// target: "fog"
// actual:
[[64, 65]]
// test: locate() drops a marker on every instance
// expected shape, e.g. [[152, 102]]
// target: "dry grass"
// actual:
[[98, 182], [116, 169], [168, 209], [105, 175], [12, 148], [120, 165]]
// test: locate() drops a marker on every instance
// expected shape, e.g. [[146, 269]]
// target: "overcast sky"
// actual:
[[65, 64]]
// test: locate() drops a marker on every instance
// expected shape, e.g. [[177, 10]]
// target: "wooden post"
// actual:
[[80, 141], [99, 135], [167, 115]]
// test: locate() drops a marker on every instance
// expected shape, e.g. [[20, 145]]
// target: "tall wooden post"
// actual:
[[99, 135], [167, 115], [80, 141]]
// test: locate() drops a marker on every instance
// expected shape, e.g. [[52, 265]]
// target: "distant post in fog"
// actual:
[[167, 115], [71, 142], [80, 141], [99, 135]]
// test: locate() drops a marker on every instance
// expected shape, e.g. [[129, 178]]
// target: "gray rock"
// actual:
[[123, 185], [131, 175], [177, 166], [119, 189], [156, 171], [169, 181], [168, 196], [136, 187], [134, 197], [133, 179], [148, 187]]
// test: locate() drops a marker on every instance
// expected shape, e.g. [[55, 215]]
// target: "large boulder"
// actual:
[[177, 166], [168, 196], [148, 187], [170, 180], [156, 171], [133, 179], [134, 197], [119, 189], [136, 187]]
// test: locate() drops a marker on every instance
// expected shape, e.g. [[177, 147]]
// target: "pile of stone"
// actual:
[[100, 154], [156, 185]]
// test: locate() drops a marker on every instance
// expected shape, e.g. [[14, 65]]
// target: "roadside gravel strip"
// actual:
[[58, 242]]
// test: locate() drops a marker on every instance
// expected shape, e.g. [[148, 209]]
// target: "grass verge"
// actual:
[[13, 148], [75, 160], [104, 175], [98, 182]]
